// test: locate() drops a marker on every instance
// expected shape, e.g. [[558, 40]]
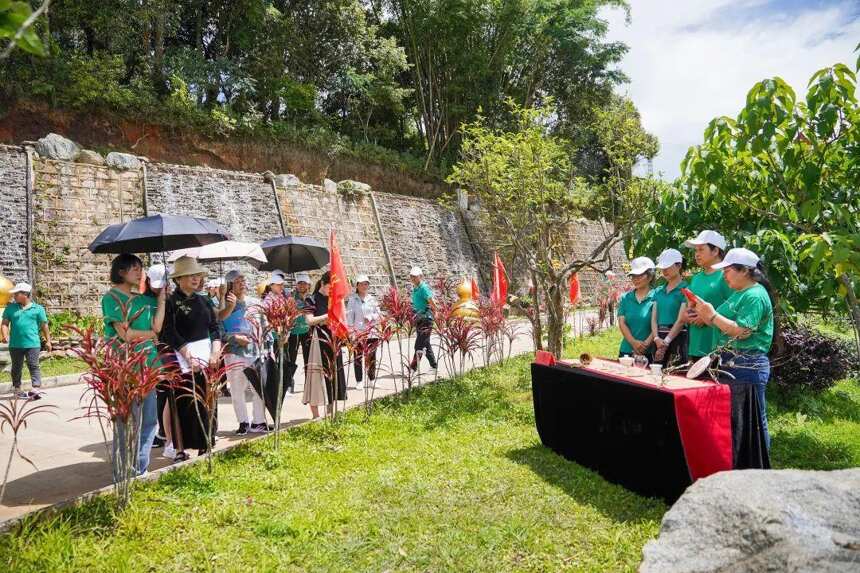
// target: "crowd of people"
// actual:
[[730, 312]]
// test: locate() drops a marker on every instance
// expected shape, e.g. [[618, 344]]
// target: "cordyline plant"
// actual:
[[398, 308], [458, 336], [384, 330], [493, 324], [117, 380], [335, 345], [366, 341], [280, 314], [214, 380], [15, 414]]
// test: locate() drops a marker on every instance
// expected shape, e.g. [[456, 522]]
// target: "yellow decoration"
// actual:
[[261, 287], [465, 307], [5, 286]]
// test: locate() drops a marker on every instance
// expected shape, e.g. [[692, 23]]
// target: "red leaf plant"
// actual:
[[117, 380], [384, 330], [334, 345], [398, 307], [365, 342], [15, 414], [493, 324], [458, 337]]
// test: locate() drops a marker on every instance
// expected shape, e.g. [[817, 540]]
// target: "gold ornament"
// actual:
[[5, 286], [465, 307]]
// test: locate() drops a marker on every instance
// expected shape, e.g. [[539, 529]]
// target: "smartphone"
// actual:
[[691, 298]]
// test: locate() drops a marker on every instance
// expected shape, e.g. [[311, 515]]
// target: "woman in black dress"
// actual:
[[319, 321], [193, 332]]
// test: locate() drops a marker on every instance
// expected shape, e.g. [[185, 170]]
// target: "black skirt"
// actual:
[[192, 415]]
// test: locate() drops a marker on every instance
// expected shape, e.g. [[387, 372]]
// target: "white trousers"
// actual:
[[238, 384]]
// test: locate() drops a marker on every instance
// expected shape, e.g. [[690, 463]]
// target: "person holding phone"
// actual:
[[635, 309], [667, 316], [708, 285]]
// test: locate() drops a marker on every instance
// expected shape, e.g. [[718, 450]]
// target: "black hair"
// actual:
[[123, 263], [324, 280], [759, 275], [721, 251]]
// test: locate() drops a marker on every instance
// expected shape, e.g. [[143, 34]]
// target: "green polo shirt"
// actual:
[[24, 324], [713, 289], [300, 326], [421, 296], [669, 303], [637, 317], [141, 307], [749, 308]]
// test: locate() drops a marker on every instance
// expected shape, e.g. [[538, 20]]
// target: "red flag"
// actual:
[[499, 295], [338, 290], [476, 293], [574, 288]]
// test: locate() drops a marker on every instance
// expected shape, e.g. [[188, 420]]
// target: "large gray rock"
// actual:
[[329, 185], [759, 520], [287, 180], [54, 146], [123, 161], [90, 157]]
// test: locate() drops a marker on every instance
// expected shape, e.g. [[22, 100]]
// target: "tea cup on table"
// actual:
[[657, 370], [626, 361]]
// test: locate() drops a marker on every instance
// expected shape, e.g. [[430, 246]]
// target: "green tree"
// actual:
[[782, 178], [16, 26], [530, 196]]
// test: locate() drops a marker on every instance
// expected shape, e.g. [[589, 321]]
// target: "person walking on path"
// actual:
[[424, 306], [362, 313], [240, 352], [134, 318], [299, 335], [23, 320]]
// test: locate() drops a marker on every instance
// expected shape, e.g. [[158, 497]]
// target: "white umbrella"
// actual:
[[250, 253]]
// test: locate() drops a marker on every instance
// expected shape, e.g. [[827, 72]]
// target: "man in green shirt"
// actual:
[[423, 305], [23, 319], [709, 286]]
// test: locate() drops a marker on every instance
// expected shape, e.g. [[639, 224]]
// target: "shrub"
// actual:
[[813, 360]]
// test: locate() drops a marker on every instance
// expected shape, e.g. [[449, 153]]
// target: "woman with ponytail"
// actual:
[[745, 323]]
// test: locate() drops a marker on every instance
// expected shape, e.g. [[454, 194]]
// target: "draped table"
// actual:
[[652, 436]]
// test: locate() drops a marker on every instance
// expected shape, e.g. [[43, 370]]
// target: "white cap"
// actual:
[[362, 279], [303, 278], [157, 275], [738, 256], [416, 272], [233, 275], [276, 278], [707, 238], [640, 265], [21, 287], [279, 272], [668, 258]]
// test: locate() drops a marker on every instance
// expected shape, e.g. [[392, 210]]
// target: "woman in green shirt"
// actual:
[[634, 310], [670, 307], [708, 285], [745, 324]]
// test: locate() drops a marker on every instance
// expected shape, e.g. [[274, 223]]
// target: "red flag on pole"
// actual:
[[499, 295], [476, 293], [338, 290], [574, 288]]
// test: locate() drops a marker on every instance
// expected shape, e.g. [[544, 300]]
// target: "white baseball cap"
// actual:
[[416, 272], [707, 238], [640, 265], [668, 258], [21, 287], [362, 279], [739, 256], [279, 272], [303, 278], [276, 278], [157, 275]]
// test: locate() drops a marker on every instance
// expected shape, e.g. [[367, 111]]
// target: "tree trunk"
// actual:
[[853, 306], [555, 320], [537, 327]]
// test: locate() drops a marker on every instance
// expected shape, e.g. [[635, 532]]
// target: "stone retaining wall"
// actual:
[[13, 214]]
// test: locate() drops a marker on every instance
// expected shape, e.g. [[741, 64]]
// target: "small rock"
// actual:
[[355, 185], [288, 180], [54, 146], [761, 520], [90, 157], [329, 185], [123, 161]]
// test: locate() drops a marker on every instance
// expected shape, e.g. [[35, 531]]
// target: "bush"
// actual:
[[813, 360]]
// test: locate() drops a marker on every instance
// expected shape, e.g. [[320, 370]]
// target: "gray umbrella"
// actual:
[[294, 254], [158, 233]]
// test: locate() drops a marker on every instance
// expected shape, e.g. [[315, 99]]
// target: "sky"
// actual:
[[692, 60]]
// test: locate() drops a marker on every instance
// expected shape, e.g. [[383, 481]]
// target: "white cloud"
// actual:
[[690, 61]]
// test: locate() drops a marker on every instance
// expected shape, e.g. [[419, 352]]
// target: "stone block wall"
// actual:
[[422, 232], [313, 211], [73, 202], [14, 254]]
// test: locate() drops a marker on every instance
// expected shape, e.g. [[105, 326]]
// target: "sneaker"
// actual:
[[261, 428], [359, 386], [243, 429], [23, 395], [36, 394], [169, 451], [158, 442]]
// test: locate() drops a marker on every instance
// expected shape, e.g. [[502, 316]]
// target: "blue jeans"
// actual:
[[145, 414], [752, 368]]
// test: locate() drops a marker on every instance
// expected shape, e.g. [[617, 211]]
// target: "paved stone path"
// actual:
[[70, 453]]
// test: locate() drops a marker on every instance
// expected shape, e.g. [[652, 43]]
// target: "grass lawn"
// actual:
[[453, 479], [51, 367]]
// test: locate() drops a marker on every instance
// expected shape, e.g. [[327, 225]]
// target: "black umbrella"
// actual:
[[158, 233], [294, 254]]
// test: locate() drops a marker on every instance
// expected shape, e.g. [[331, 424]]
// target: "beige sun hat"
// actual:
[[184, 266]]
